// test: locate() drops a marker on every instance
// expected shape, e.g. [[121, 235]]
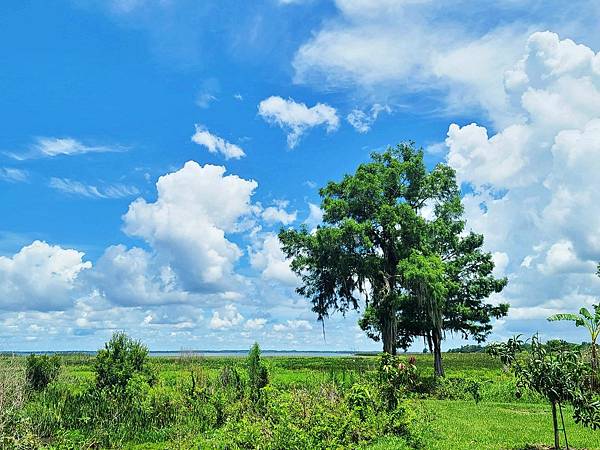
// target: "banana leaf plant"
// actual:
[[592, 323]]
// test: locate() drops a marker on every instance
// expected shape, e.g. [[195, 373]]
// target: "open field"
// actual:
[[304, 393]]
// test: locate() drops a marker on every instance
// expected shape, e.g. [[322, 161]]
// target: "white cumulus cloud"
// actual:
[[278, 214], [135, 277], [296, 118], [255, 324], [187, 225], [226, 318], [40, 277], [216, 144], [267, 257], [535, 181]]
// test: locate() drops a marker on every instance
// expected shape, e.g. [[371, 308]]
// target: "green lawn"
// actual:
[[464, 425]]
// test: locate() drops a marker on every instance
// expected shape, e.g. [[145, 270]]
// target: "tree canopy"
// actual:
[[393, 245]]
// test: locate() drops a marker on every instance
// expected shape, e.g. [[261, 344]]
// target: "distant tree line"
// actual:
[[551, 345]]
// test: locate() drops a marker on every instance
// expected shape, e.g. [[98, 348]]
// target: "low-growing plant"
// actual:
[[12, 398], [41, 370], [361, 400]]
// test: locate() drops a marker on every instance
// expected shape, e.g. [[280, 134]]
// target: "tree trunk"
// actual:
[[437, 354], [429, 344], [594, 367], [388, 334], [555, 425]]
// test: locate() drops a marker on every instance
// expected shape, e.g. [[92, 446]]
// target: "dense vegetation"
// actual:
[[377, 402]]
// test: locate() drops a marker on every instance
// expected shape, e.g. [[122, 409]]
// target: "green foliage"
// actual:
[[229, 378], [315, 402], [506, 352], [258, 375], [319, 418], [419, 276], [41, 370], [470, 348], [395, 378], [592, 323], [560, 377], [121, 359], [455, 388]]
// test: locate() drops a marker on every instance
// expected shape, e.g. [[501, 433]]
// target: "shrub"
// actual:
[[119, 360], [258, 376], [360, 400], [229, 378], [395, 378], [560, 377], [468, 349], [41, 370], [454, 388]]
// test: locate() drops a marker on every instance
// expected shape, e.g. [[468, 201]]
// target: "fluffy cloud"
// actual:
[[267, 257], [134, 277], [296, 118], [73, 187], [255, 324], [293, 325], [215, 144], [40, 277], [226, 318], [534, 182], [278, 214], [363, 121], [197, 206], [382, 50], [500, 160], [315, 216]]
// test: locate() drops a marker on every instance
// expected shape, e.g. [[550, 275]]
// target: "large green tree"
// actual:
[[392, 244]]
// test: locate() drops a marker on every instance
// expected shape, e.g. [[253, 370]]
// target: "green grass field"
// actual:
[[445, 418]]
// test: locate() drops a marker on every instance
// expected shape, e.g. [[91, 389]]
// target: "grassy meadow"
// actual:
[[309, 402]]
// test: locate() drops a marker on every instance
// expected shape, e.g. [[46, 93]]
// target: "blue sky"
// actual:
[[98, 99]]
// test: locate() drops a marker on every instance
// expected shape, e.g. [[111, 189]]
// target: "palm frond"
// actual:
[[564, 316], [585, 313]]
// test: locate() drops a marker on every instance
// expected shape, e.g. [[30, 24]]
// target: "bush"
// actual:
[[41, 370], [361, 400], [258, 376], [560, 376], [121, 359], [229, 378], [470, 348], [396, 378]]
